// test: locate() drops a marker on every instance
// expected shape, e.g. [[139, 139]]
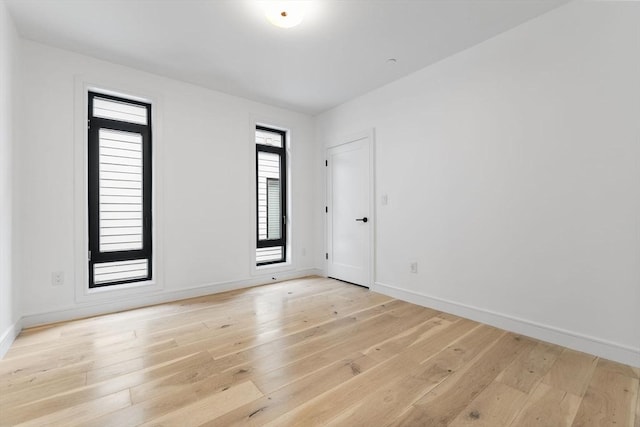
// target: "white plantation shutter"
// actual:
[[268, 196], [106, 272], [265, 255], [274, 216], [120, 190], [118, 110]]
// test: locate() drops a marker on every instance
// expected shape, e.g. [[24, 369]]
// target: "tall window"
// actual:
[[119, 178], [271, 190]]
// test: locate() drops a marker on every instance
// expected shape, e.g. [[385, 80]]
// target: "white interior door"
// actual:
[[349, 211]]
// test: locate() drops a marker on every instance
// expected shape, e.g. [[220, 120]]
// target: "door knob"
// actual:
[[362, 219]]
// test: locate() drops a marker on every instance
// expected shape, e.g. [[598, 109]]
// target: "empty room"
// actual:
[[319, 213]]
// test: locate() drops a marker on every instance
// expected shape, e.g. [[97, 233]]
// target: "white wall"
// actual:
[[513, 176], [9, 313], [205, 218]]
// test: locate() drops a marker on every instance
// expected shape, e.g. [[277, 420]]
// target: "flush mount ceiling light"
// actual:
[[285, 14]]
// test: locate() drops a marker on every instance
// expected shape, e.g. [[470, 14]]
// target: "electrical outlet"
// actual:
[[384, 199], [57, 278], [414, 267]]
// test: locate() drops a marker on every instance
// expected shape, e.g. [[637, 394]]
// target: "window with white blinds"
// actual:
[[109, 272], [270, 195], [121, 111], [120, 165], [119, 175]]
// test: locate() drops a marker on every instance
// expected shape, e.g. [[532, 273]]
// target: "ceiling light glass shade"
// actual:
[[285, 14]]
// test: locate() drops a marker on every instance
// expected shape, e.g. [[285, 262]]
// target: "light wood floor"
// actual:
[[301, 353]]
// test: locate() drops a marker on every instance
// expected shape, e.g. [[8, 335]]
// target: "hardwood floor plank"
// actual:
[[323, 316], [64, 399], [386, 403], [99, 357], [322, 409], [389, 347], [548, 406], [14, 384], [138, 414], [443, 404], [213, 406], [41, 391], [314, 339], [618, 368], [76, 415], [609, 398], [326, 406], [306, 352], [530, 367], [496, 405], [266, 409], [571, 372], [166, 398], [362, 344], [104, 339]]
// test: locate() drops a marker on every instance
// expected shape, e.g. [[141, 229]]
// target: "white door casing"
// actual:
[[350, 237]]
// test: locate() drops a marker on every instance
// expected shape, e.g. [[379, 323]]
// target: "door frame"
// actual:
[[369, 135]]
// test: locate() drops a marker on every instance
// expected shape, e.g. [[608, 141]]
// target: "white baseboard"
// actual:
[[9, 336], [94, 309], [598, 347]]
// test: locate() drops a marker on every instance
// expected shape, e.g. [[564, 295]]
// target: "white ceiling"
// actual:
[[337, 53]]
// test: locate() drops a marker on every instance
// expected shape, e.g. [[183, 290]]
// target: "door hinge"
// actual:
[[326, 209], [326, 162], [89, 255], [326, 255]]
